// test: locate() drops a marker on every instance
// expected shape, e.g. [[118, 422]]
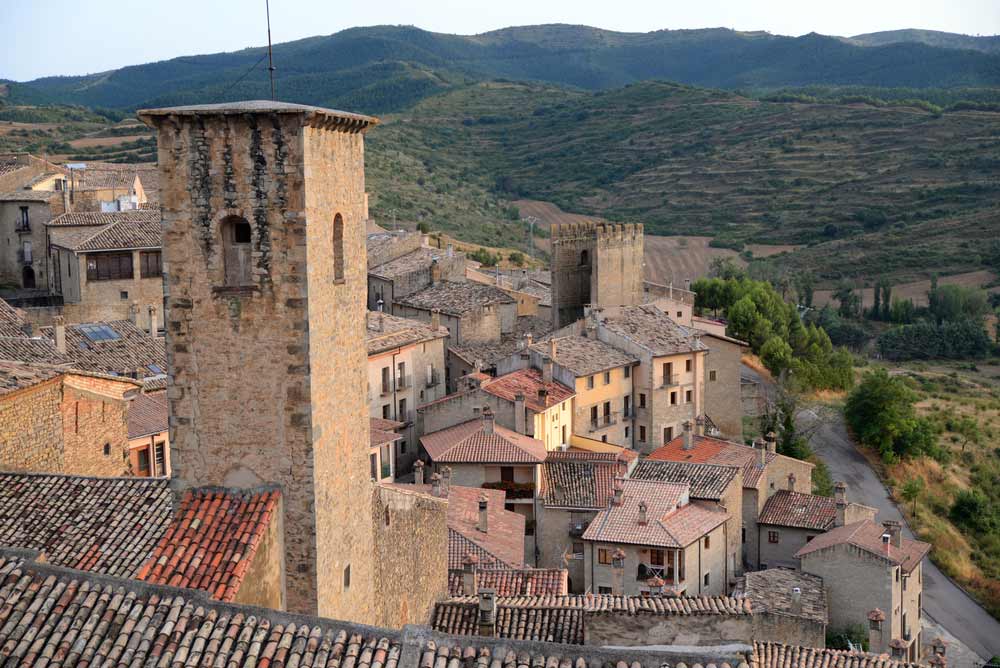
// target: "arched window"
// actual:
[[584, 257], [28, 278], [338, 249], [236, 247]]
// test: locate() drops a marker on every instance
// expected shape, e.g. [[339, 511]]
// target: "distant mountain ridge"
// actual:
[[387, 68], [947, 40]]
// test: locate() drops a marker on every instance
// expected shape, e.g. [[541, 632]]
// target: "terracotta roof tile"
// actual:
[[793, 509], [539, 395], [671, 521], [102, 218], [707, 481], [385, 332], [211, 541], [569, 483], [147, 414], [16, 376], [129, 230], [710, 450], [584, 356], [469, 443], [777, 655], [133, 351], [514, 581], [867, 535], [11, 321], [654, 330], [456, 298]]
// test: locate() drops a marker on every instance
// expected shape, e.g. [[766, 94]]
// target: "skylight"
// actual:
[[98, 332]]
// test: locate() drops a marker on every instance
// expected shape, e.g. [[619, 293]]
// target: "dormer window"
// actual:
[[236, 238]]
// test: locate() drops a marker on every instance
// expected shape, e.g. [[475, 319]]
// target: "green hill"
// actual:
[[387, 68], [947, 40]]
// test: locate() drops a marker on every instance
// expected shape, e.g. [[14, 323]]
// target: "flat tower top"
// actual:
[[333, 116]]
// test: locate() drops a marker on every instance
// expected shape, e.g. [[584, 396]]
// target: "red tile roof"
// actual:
[[469, 443], [148, 414], [618, 454], [514, 581], [710, 450], [804, 511], [211, 541], [671, 521], [867, 535], [578, 483], [529, 383]]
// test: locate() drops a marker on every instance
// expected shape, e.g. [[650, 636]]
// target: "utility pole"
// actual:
[[270, 59]]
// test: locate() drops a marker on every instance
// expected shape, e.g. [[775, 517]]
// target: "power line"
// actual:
[[252, 68]]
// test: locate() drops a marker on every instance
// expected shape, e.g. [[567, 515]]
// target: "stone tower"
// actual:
[[265, 282], [598, 264]]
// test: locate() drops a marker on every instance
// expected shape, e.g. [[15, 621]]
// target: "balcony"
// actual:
[[433, 378], [671, 381], [514, 490], [603, 421], [22, 227]]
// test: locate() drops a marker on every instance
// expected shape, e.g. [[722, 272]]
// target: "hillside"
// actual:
[[947, 40], [867, 190], [387, 68]]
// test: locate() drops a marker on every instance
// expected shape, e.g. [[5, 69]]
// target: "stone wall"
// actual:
[[618, 630], [723, 402], [111, 300], [555, 544], [782, 553], [776, 627], [753, 503], [11, 265], [31, 429], [857, 582], [732, 503], [95, 430], [264, 582], [462, 407], [410, 555]]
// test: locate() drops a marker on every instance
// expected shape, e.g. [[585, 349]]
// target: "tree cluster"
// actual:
[[881, 412]]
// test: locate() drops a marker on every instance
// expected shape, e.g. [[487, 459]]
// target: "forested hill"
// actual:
[[388, 68]]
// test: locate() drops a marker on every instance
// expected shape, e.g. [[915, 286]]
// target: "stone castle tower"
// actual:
[[263, 208], [598, 264]]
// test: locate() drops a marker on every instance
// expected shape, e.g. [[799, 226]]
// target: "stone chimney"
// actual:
[[469, 577], [840, 498], [895, 531], [547, 370], [771, 441], [154, 323], [436, 484], [791, 482], [60, 333], [699, 425], [450, 251], [435, 272], [552, 348], [527, 340], [796, 607], [761, 447], [435, 318], [876, 623], [688, 439], [617, 494], [520, 420], [487, 613], [418, 472], [886, 542], [445, 481], [642, 513], [488, 420], [543, 394], [381, 322], [618, 572], [484, 506], [133, 313]]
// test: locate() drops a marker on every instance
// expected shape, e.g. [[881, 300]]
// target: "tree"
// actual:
[[423, 227], [776, 355], [516, 258], [876, 311], [850, 303], [725, 268], [881, 413], [886, 298], [805, 284], [968, 429], [958, 302], [911, 491]]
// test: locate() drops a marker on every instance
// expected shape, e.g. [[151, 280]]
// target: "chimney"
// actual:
[[699, 423], [484, 505], [435, 272], [617, 494], [488, 420], [791, 482], [761, 447], [450, 252], [154, 325], [487, 613], [469, 580], [618, 572], [840, 498], [435, 318], [381, 322], [542, 394], [520, 419], [133, 313], [418, 472], [688, 440], [771, 441], [796, 607], [886, 542], [547, 370], [527, 340], [876, 641], [642, 513], [552, 349], [445, 481], [894, 529], [436, 484], [60, 332]]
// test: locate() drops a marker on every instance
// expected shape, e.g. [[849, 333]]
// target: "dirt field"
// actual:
[[917, 291], [764, 250], [104, 141]]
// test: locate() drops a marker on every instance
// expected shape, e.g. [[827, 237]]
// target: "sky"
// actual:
[[73, 37]]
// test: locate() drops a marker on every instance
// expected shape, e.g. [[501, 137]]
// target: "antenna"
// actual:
[[270, 59]]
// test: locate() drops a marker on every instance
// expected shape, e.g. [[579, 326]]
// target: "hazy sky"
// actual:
[[82, 36]]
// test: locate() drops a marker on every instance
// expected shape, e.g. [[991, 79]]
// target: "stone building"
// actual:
[[382, 461], [790, 519], [788, 606], [23, 258], [266, 278], [764, 473], [54, 420], [595, 264], [107, 266], [669, 381], [874, 577], [652, 538], [148, 434], [402, 264], [406, 368], [720, 486]]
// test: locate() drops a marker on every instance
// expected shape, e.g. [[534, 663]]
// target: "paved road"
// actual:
[[944, 602]]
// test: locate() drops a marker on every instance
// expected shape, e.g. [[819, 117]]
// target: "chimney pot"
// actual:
[[487, 613], [791, 482], [642, 513], [895, 531], [418, 472], [552, 348], [484, 504], [488, 420], [700, 425], [796, 601], [617, 494], [436, 484], [59, 329], [154, 324], [435, 272], [771, 441], [445, 480], [435, 318], [688, 440]]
